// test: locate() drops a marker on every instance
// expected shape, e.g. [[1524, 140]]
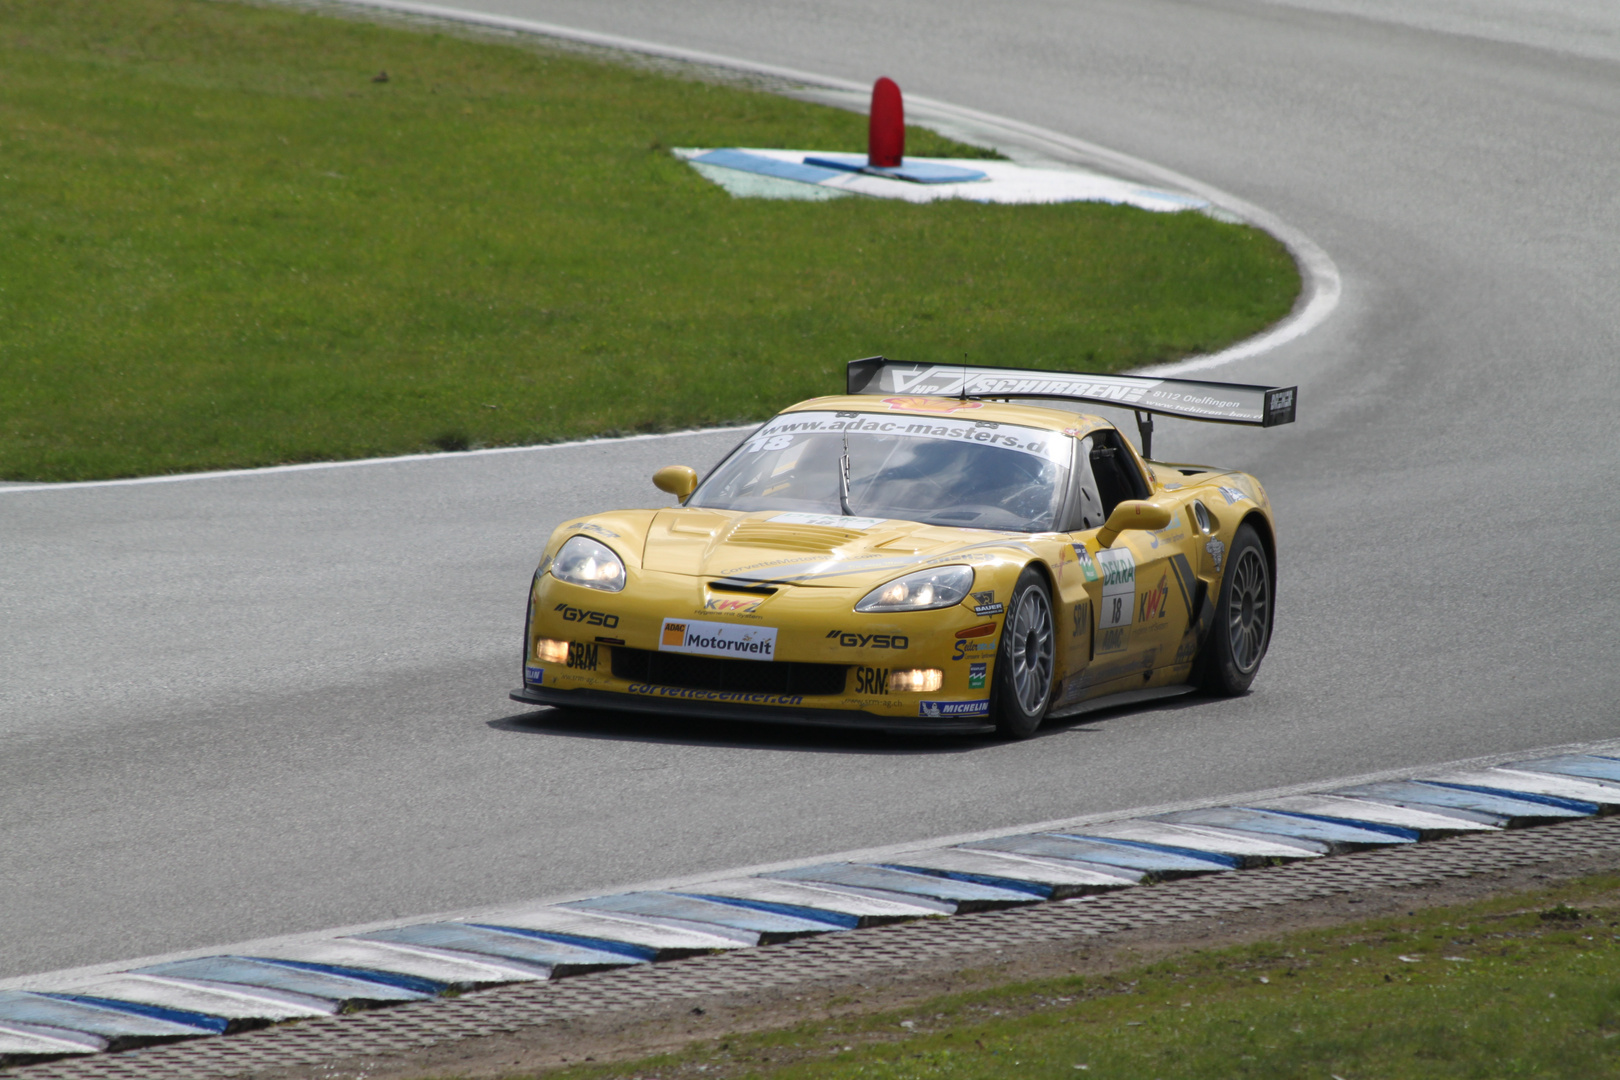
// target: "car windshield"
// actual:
[[939, 470]]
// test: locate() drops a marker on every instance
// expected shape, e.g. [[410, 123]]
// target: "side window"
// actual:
[[1085, 505], [1114, 472]]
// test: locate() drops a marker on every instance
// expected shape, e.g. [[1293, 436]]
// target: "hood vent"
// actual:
[[815, 539]]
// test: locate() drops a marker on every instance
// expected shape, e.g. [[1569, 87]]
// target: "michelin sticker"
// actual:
[[1118, 568], [699, 638], [938, 710]]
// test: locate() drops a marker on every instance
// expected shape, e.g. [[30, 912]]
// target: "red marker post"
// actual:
[[886, 129]]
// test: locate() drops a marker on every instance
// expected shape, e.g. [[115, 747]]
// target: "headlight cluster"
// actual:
[[582, 561], [938, 587]]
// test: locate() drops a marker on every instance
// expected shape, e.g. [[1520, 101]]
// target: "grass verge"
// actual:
[[1517, 986], [224, 242]]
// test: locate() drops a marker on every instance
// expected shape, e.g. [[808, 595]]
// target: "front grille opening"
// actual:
[[716, 673]]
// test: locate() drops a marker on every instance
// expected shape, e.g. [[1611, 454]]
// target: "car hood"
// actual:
[[803, 549]]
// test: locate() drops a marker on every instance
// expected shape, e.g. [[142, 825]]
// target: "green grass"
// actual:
[[222, 244], [1522, 986]]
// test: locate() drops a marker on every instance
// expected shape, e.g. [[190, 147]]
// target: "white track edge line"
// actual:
[[872, 854], [1321, 284], [310, 466]]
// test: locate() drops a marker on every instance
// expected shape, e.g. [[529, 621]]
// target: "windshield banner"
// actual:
[[1228, 403], [780, 432]]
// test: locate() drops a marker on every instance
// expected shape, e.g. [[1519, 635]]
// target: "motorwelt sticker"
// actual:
[[701, 638]]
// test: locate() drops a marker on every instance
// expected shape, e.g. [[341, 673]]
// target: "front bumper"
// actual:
[[677, 705]]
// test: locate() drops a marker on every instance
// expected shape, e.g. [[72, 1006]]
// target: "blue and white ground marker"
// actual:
[[1250, 849], [21, 1043], [754, 173], [1606, 797], [962, 896], [119, 1027], [1062, 880], [233, 1003], [867, 910], [343, 989], [462, 971], [1510, 812], [1154, 863], [1429, 823], [1590, 766], [1339, 836], [663, 940], [542, 955], [769, 926]]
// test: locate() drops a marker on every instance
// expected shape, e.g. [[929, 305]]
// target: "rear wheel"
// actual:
[[1242, 631], [1023, 684]]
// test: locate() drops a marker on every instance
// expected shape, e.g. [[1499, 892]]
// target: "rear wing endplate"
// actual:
[[1189, 399]]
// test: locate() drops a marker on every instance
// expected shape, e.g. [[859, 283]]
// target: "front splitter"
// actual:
[[765, 714]]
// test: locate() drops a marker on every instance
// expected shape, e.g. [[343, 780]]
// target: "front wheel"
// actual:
[[1023, 684], [1242, 631]]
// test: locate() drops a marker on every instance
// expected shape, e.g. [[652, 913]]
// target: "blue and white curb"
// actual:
[[751, 173], [88, 1012]]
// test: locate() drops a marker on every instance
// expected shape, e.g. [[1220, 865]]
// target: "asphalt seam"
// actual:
[[889, 950]]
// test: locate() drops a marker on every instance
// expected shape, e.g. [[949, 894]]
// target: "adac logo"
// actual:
[[674, 634], [1152, 605], [927, 404]]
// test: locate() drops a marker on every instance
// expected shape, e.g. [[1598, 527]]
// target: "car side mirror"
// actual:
[[1132, 514], [679, 480]]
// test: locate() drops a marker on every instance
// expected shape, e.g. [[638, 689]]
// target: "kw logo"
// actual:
[[737, 605], [1152, 605]]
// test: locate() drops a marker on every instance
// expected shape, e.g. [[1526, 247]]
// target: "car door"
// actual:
[[1136, 588]]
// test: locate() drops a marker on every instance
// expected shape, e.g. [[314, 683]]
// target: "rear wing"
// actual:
[[1190, 399]]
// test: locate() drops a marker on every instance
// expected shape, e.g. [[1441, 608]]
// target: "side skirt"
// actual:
[[1114, 701]]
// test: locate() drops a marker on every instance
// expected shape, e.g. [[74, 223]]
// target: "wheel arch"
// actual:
[[1268, 540]]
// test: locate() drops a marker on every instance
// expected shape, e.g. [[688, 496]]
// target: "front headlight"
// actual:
[[582, 561], [939, 587]]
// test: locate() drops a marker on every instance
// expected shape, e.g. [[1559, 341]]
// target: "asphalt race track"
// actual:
[[261, 704]]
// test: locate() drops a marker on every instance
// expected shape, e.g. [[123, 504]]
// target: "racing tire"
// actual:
[[1023, 683], [1243, 615]]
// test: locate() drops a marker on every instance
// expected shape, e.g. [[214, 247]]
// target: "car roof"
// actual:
[[1035, 416]]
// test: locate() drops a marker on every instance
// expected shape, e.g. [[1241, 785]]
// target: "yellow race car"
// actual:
[[944, 548]]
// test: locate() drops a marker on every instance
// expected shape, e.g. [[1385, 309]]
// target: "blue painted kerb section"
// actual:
[[203, 1021]]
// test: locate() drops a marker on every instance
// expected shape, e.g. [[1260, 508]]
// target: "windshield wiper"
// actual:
[[843, 478]]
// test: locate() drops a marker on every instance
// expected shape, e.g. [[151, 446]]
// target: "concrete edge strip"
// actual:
[[130, 1005], [1319, 295]]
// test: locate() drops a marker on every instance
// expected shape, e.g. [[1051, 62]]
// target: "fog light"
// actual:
[[550, 650], [916, 681]]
